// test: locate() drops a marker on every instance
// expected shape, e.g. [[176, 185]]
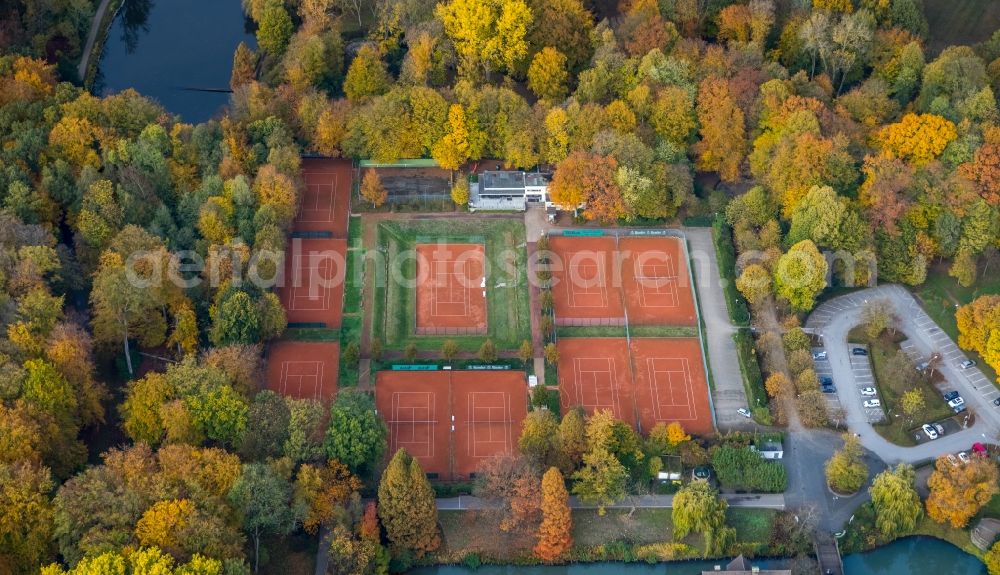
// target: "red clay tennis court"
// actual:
[[452, 421], [488, 408], [416, 408], [451, 288], [655, 281], [669, 380], [670, 383], [313, 288], [326, 200], [303, 370], [585, 281], [594, 374]]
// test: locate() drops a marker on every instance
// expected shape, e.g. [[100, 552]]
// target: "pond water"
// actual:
[[173, 51], [914, 556], [910, 556]]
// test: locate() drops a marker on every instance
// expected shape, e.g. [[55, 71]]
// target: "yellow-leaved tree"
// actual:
[[917, 138], [979, 328]]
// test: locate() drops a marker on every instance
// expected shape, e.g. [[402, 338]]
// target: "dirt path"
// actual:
[[95, 26]]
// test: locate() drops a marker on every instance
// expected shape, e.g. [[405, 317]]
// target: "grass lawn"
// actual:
[[957, 537], [959, 22], [897, 429], [992, 509], [940, 294], [641, 526], [394, 307], [465, 532], [752, 525]]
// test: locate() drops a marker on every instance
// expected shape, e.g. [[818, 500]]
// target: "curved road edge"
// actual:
[[835, 318]]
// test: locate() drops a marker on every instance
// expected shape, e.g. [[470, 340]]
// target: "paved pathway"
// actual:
[[95, 27], [757, 501], [728, 393], [835, 318]]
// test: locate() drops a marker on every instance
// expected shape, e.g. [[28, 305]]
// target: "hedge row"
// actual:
[[725, 252], [753, 380]]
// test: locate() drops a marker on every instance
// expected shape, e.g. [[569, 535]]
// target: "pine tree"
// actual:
[[555, 534], [406, 506]]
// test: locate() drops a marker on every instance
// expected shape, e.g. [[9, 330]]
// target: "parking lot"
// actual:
[[861, 367], [823, 370], [950, 425], [833, 320]]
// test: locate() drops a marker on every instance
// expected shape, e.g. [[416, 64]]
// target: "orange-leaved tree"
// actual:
[[723, 133], [555, 534], [959, 491]]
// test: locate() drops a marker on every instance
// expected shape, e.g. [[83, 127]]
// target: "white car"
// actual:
[[819, 355], [966, 364], [963, 456], [868, 391], [951, 459], [929, 431], [956, 402], [872, 403], [744, 412]]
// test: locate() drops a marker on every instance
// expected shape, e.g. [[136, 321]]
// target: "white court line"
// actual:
[[688, 387], [472, 439], [666, 278], [324, 296], [442, 282], [610, 371], [298, 378], [571, 288], [325, 190], [397, 423]]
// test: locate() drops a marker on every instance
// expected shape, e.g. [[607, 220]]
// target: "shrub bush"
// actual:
[[744, 469]]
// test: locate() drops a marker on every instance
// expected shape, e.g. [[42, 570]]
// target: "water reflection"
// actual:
[[134, 17], [910, 556], [162, 47]]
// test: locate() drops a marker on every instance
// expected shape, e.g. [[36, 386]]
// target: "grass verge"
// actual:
[[941, 295], [394, 307], [898, 426]]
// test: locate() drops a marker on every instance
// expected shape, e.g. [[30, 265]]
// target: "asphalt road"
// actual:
[[728, 393], [757, 501], [835, 318]]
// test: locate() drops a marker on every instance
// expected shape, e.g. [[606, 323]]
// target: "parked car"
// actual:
[[967, 364], [950, 395], [744, 412], [826, 381], [996, 401], [872, 403], [959, 408], [951, 459], [956, 402], [939, 428], [963, 456], [819, 355], [868, 391], [929, 431], [859, 351], [828, 389]]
